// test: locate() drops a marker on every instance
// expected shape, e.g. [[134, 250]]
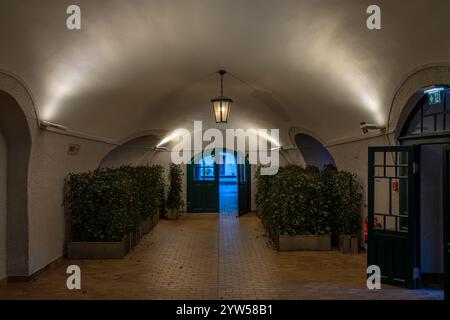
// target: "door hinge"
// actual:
[[415, 167]]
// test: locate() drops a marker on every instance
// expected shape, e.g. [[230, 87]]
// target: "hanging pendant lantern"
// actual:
[[221, 104]]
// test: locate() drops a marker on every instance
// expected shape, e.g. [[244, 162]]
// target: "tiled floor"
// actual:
[[213, 257]]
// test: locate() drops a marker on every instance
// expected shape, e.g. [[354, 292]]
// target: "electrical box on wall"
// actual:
[[74, 149]]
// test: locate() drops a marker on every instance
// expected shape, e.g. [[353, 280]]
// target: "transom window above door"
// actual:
[[431, 115], [204, 169]]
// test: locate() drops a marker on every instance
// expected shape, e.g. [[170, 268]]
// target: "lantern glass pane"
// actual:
[[225, 109], [216, 106], [221, 110]]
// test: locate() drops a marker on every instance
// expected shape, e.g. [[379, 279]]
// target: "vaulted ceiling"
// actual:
[[150, 64]]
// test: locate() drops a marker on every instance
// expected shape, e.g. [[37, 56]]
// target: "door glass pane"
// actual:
[[402, 158], [205, 169], [381, 196], [379, 158], [428, 124], [378, 222], [391, 191], [379, 171], [440, 122], [391, 223], [434, 108], [415, 125], [391, 172], [391, 158], [400, 197]]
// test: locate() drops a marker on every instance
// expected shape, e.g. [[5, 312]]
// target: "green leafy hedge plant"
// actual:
[[299, 201], [104, 205], [174, 200], [343, 196], [291, 202]]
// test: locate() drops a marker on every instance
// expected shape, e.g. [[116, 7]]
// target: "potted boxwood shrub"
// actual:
[[346, 203], [108, 210], [148, 194], [293, 211], [99, 206], [174, 201]]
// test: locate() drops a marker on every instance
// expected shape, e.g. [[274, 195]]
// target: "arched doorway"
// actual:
[[313, 151], [408, 196], [14, 161], [218, 181]]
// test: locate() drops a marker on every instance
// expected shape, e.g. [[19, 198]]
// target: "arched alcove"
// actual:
[[132, 152], [17, 140], [314, 153]]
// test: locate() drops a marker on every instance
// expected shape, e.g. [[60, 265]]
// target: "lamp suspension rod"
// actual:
[[222, 73]]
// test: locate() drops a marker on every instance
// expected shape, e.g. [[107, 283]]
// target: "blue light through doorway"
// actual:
[[228, 184]]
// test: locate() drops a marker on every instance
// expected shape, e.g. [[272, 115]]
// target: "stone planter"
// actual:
[[304, 243], [349, 244], [173, 214], [97, 250]]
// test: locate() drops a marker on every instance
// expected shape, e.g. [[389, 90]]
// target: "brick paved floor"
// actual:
[[207, 256]]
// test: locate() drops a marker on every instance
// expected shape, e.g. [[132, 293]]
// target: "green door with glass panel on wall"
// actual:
[[203, 184], [446, 198], [393, 204]]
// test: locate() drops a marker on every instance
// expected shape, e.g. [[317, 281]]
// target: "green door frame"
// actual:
[[210, 188], [396, 252], [446, 198], [441, 139], [440, 135], [202, 195]]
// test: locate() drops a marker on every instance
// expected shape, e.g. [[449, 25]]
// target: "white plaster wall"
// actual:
[[3, 188], [49, 166]]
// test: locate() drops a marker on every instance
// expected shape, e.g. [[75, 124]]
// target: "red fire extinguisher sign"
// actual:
[[395, 185]]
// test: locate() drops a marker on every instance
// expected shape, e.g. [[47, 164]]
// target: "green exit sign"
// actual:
[[434, 97]]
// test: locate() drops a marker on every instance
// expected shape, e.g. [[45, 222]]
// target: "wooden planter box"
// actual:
[[349, 244], [304, 243], [173, 214], [97, 250]]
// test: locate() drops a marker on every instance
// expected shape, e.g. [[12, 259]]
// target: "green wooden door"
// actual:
[[244, 188], [447, 220], [393, 204], [203, 186]]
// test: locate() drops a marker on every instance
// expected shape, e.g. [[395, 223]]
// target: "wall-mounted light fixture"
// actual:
[[221, 104], [366, 127], [48, 124]]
